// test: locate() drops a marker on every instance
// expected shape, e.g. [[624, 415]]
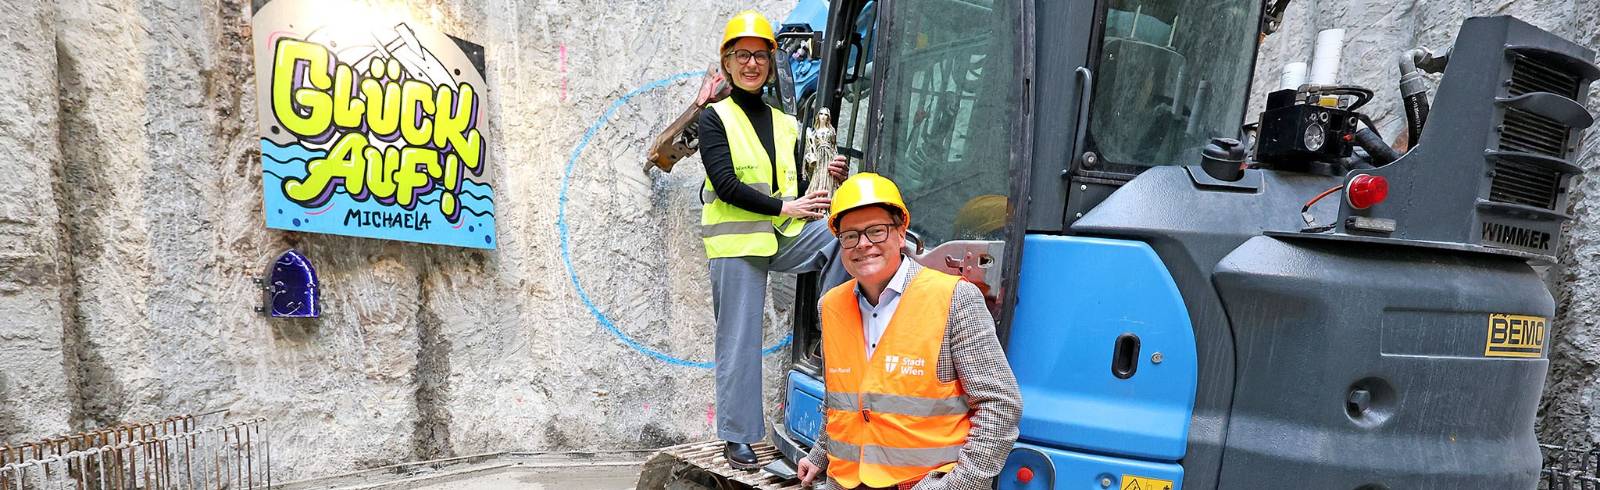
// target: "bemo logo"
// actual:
[[889, 362]]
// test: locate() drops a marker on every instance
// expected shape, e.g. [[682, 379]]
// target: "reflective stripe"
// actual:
[[841, 401], [735, 228], [916, 405], [913, 457], [900, 404], [844, 450]]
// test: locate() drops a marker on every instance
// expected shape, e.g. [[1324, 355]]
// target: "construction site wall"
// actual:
[[133, 230]]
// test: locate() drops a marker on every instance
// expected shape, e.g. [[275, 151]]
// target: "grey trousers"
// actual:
[[738, 298]]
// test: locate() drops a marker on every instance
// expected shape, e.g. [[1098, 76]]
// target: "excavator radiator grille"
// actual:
[[1519, 182], [1529, 75], [1531, 133]]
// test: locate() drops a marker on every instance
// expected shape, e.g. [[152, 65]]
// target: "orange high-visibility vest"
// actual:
[[890, 419]]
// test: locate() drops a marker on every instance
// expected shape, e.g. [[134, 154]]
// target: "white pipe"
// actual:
[[1294, 75], [1325, 57]]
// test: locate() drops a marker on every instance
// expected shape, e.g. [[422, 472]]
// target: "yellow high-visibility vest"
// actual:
[[889, 418], [732, 231]]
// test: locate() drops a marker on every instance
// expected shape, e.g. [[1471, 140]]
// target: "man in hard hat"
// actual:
[[918, 390], [753, 222]]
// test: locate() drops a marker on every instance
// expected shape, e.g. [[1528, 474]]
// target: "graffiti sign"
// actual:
[[371, 127]]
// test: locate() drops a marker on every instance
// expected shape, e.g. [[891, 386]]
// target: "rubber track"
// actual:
[[676, 463]]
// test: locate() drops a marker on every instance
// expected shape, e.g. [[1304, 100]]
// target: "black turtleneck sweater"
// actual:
[[718, 159]]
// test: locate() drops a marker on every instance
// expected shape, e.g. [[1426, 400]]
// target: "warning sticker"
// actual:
[[1131, 482], [1514, 336]]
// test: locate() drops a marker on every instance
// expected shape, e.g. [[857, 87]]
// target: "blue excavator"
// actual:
[[1194, 294]]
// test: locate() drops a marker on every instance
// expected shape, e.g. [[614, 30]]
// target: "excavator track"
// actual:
[[700, 465]]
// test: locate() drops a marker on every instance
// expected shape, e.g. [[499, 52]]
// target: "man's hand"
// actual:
[[807, 471], [810, 207], [839, 168]]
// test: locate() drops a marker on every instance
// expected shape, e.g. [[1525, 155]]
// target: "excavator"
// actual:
[[1191, 301]]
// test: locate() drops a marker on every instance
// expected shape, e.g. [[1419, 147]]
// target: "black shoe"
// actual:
[[740, 456]]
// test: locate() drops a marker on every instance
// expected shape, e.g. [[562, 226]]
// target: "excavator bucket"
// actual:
[[682, 138]]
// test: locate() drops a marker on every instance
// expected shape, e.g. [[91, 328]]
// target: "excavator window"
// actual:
[[948, 100], [1171, 75]]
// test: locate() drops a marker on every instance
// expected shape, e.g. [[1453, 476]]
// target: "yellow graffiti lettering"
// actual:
[[453, 126], [408, 179], [396, 136], [304, 111], [383, 119], [347, 109], [344, 162], [416, 99], [381, 167], [452, 179]]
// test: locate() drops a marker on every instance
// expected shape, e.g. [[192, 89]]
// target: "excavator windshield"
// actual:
[[948, 101], [1171, 75]]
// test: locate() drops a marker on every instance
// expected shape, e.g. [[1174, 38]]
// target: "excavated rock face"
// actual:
[[134, 230], [1376, 32]]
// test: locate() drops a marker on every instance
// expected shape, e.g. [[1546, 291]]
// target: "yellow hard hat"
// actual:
[[866, 189], [981, 216], [748, 23]]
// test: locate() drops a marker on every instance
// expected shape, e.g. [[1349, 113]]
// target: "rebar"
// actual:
[[1569, 468], [142, 456]]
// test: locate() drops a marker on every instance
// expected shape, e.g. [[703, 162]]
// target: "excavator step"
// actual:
[[700, 465]]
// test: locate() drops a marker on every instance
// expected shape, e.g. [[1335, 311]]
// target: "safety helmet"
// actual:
[[980, 216], [748, 23], [866, 189]]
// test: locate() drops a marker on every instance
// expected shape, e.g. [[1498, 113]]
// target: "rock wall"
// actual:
[[36, 397], [126, 274], [1376, 32]]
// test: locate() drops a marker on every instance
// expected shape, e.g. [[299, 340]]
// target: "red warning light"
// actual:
[[1366, 190], [1025, 474]]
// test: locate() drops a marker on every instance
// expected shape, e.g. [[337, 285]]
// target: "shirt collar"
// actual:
[[896, 283]]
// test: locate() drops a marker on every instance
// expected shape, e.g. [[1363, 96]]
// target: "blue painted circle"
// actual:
[[469, 229], [297, 221], [488, 239], [566, 250]]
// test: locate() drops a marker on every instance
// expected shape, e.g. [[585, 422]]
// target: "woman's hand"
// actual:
[[809, 207]]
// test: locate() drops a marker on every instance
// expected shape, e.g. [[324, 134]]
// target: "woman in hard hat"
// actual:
[[754, 222]]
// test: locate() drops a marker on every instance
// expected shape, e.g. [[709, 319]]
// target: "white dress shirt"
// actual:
[[875, 318]]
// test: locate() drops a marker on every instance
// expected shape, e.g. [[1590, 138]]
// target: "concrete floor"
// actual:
[[595, 478], [520, 471]]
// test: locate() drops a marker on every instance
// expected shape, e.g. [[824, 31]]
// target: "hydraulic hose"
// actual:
[[1380, 152], [1414, 88]]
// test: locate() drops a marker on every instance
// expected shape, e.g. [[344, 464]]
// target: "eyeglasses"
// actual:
[[875, 234], [744, 56]]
